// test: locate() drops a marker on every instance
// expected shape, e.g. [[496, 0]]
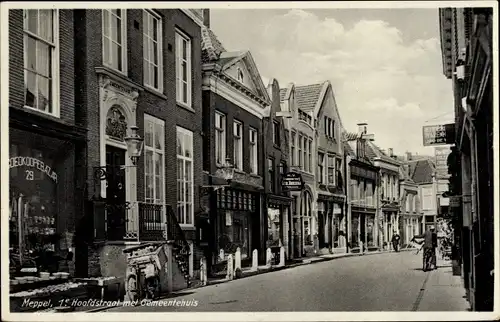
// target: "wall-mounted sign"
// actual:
[[292, 181], [439, 134], [32, 163], [455, 201]]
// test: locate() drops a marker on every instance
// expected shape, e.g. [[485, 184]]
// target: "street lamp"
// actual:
[[134, 144]]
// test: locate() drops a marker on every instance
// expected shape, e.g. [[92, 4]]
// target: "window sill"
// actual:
[[32, 110], [186, 107], [154, 91], [122, 73], [187, 227], [255, 175]]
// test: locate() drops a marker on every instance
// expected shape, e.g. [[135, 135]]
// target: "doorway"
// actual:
[[115, 193]]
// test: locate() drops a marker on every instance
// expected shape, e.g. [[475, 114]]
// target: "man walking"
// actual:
[[395, 241], [430, 242]]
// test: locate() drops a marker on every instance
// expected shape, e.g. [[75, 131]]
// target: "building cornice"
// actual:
[[224, 89], [193, 16]]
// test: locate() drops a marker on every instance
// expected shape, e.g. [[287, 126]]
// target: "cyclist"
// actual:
[[430, 243]]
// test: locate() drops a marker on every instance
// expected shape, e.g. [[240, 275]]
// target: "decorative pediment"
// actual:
[[241, 67]]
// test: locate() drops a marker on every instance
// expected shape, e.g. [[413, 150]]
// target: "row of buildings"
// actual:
[[218, 146], [468, 53]]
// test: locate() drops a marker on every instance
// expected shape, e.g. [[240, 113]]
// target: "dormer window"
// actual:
[[240, 75]]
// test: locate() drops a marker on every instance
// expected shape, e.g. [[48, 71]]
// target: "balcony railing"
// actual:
[[151, 225]]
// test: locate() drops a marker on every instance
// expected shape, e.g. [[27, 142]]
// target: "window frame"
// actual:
[[253, 139], [238, 163], [321, 168], [309, 149], [276, 133], [293, 147], [223, 133], [146, 62], [54, 89], [124, 44], [190, 134], [189, 63], [331, 166], [271, 170], [155, 121]]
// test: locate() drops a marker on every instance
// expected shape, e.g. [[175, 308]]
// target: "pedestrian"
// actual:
[[430, 242], [395, 241]]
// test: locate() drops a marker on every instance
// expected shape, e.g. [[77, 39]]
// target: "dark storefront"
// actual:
[[236, 217], [45, 201]]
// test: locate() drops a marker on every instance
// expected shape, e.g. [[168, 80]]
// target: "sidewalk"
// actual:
[[443, 291]]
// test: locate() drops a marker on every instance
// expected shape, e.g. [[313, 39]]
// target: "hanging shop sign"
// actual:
[[292, 181], [32, 163], [439, 134]]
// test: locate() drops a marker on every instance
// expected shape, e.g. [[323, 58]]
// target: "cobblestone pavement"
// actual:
[[383, 282]]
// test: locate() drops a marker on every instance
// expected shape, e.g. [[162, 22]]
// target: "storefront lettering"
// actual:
[[33, 163]]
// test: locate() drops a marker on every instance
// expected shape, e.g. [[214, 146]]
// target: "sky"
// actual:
[[384, 64]]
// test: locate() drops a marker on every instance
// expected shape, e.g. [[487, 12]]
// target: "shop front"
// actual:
[[278, 223], [236, 218], [44, 201], [303, 224], [331, 223], [363, 228]]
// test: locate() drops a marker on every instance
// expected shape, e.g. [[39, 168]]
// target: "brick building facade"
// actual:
[[46, 145], [234, 102], [140, 74]]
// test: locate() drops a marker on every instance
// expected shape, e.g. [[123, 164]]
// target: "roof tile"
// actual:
[[307, 96], [422, 171], [211, 46], [283, 93]]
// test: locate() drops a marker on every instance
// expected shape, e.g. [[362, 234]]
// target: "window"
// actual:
[[329, 128], [153, 53], [154, 152], [354, 190], [238, 145], [292, 143], [369, 193], [276, 133], [185, 178], [183, 68], [321, 166], [331, 170], [270, 169], [326, 126], [310, 156], [304, 149], [415, 197], [114, 40], [333, 129], [301, 164], [41, 61], [220, 138], [253, 151], [408, 203], [240, 75], [427, 198]]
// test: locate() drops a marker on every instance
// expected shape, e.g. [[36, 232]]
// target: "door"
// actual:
[[115, 193]]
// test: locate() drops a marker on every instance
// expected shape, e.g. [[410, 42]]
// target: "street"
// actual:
[[381, 282]]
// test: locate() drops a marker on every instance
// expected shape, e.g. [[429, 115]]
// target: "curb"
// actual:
[[266, 270]]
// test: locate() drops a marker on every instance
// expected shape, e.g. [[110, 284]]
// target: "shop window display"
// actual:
[[39, 237]]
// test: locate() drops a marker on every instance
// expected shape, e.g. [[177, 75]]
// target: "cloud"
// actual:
[[377, 77]]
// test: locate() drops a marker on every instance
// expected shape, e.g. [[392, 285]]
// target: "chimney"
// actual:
[[362, 128], [408, 156], [391, 152], [206, 17]]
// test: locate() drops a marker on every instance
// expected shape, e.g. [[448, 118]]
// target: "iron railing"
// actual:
[[151, 225]]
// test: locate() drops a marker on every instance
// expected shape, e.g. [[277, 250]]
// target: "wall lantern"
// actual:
[[134, 144]]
